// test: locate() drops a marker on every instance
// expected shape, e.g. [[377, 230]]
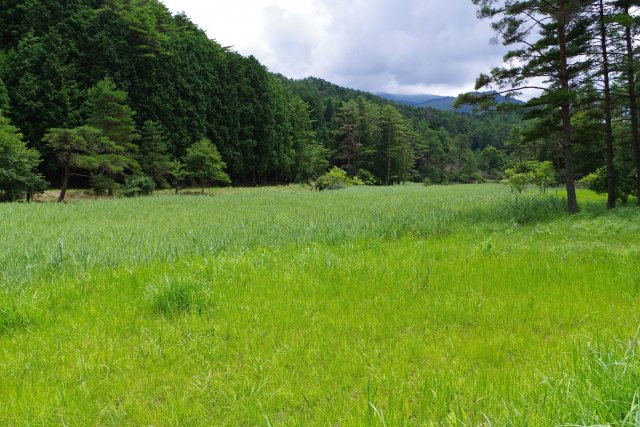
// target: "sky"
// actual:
[[395, 46]]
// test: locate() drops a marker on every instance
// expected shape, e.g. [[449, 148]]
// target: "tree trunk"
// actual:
[[572, 200], [65, 184], [611, 172], [633, 103]]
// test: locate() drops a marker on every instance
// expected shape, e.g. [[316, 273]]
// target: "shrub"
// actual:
[[518, 181], [138, 185], [542, 174], [366, 177], [335, 179], [597, 181], [102, 185]]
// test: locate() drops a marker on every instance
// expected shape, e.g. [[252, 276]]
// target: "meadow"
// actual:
[[403, 306]]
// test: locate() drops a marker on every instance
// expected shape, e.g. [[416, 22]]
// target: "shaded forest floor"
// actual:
[[458, 305]]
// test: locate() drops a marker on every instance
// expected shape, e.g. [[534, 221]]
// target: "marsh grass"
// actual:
[[458, 305], [12, 320], [172, 298]]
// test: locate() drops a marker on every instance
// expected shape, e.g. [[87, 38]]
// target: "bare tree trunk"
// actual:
[[611, 172], [65, 184], [633, 102], [572, 200]]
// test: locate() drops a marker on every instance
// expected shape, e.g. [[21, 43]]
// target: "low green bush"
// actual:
[[336, 179], [138, 185]]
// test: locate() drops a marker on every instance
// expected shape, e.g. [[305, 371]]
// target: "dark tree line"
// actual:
[[106, 89]]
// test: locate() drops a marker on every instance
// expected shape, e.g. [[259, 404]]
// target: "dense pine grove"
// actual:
[[152, 84]]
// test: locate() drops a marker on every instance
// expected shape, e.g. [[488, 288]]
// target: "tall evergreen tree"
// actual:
[[549, 41], [152, 155], [109, 113]]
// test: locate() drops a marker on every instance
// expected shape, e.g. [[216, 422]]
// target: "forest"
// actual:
[[125, 88]]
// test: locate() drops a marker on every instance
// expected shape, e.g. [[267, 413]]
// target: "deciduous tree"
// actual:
[[204, 163]]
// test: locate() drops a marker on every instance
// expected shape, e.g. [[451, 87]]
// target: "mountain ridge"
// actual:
[[438, 102]]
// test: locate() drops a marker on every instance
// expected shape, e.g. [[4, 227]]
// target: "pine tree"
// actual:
[[84, 149], [152, 156], [109, 113], [549, 40]]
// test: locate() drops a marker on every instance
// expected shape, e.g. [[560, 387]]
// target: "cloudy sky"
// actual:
[[397, 46]]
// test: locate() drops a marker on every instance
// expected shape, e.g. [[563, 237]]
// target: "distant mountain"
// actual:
[[437, 102]]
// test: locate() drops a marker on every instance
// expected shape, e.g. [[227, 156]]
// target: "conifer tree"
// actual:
[[152, 156], [84, 150], [548, 40], [109, 113]]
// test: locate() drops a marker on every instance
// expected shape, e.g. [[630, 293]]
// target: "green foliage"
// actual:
[[366, 177], [204, 164], [597, 181], [178, 175], [86, 149], [109, 113], [102, 185], [138, 185], [492, 161], [18, 165], [336, 179], [152, 155], [4, 95], [543, 174], [517, 180]]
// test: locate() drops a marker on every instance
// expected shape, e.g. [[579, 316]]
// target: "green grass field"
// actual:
[[402, 306]]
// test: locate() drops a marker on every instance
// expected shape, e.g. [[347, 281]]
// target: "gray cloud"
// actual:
[[398, 45], [376, 45]]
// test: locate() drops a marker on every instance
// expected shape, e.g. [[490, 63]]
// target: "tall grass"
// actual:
[[42, 241], [459, 305]]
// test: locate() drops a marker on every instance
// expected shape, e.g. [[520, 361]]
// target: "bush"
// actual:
[[366, 177], [102, 185], [541, 174], [335, 179], [518, 181], [138, 185], [597, 181]]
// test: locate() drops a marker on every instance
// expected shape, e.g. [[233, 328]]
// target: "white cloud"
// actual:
[[402, 46]]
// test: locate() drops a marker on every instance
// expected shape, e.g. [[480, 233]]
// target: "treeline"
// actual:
[[585, 120], [101, 90], [368, 135]]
